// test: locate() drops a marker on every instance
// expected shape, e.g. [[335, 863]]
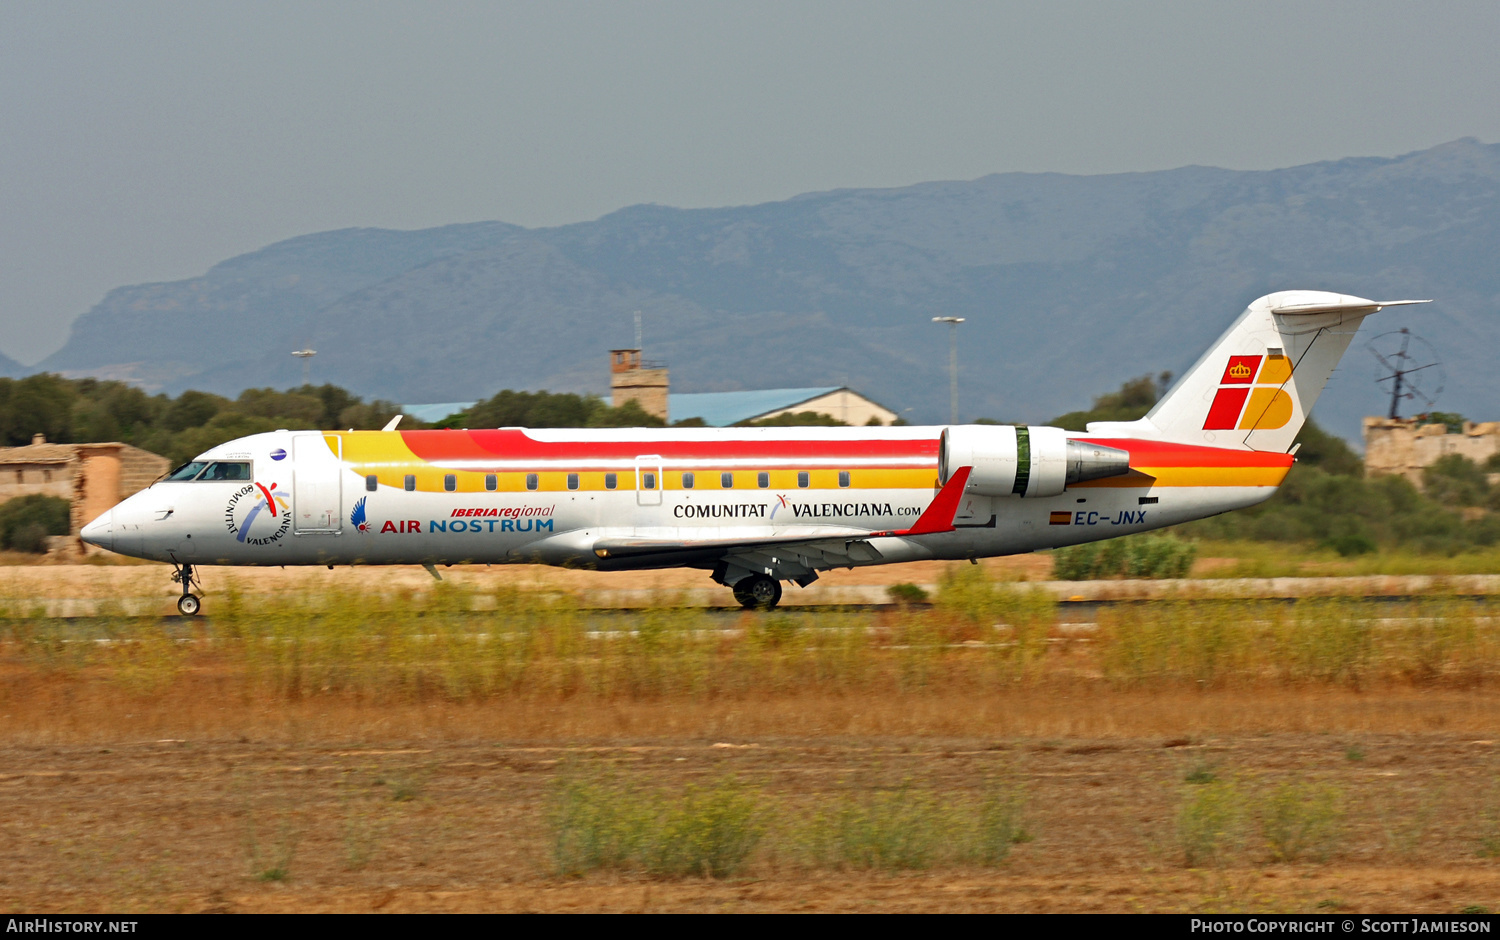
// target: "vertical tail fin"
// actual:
[[1254, 388]]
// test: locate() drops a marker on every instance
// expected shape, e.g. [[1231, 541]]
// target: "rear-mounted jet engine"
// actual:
[[1024, 461]]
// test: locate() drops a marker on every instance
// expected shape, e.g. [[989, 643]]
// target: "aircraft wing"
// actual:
[[800, 552], [627, 547]]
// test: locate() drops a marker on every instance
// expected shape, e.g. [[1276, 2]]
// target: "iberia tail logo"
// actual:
[[1250, 396]]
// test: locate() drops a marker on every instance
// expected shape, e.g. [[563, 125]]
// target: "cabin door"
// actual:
[[648, 480], [317, 476]]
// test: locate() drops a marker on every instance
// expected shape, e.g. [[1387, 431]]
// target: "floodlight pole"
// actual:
[[953, 323], [306, 356]]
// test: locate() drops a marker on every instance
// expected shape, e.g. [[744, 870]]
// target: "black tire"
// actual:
[[188, 605], [758, 592]]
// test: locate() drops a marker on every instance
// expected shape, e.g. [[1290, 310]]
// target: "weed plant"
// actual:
[[1210, 823], [607, 822], [1132, 556], [449, 644], [1301, 820]]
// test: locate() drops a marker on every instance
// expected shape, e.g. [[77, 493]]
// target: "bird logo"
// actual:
[[357, 516]]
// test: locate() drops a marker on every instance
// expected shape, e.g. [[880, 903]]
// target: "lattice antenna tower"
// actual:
[[1410, 365]]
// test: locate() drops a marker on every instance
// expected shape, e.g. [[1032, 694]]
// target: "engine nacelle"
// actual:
[[1024, 461]]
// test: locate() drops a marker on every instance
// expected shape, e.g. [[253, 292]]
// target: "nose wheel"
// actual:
[[758, 592], [188, 604]]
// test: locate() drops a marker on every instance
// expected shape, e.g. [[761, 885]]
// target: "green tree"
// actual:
[[1132, 401], [1455, 480], [26, 521], [552, 410], [37, 404], [799, 419], [1327, 452]]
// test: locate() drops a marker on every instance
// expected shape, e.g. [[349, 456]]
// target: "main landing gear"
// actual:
[[188, 604], [758, 592]]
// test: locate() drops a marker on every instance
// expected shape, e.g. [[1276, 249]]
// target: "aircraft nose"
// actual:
[[100, 532]]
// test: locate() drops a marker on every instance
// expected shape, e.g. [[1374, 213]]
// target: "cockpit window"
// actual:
[[238, 470], [187, 471]]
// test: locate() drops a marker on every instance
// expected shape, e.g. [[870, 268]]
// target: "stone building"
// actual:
[[630, 379], [1406, 446], [92, 477]]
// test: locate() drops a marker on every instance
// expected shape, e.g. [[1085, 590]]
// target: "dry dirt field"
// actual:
[[193, 788], [443, 808]]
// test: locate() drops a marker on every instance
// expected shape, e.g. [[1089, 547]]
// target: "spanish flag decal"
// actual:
[[1059, 518]]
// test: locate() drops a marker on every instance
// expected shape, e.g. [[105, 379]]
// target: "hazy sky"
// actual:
[[146, 141]]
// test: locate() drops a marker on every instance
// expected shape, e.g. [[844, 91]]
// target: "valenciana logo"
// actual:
[[258, 514], [1250, 396]]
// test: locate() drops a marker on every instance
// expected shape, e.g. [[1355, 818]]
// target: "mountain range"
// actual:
[[1069, 285]]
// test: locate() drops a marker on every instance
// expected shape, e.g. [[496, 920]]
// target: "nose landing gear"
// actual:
[[188, 604]]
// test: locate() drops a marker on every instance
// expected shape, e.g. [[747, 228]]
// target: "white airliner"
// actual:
[[753, 506]]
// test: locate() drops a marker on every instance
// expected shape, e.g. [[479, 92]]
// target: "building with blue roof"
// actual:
[[722, 409]]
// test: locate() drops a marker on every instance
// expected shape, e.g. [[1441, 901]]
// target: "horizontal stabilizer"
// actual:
[[1344, 304]]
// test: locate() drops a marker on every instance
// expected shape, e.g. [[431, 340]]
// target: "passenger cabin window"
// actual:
[[726, 480], [843, 478], [490, 482], [648, 481], [372, 482], [802, 480], [411, 482], [221, 470], [687, 481], [611, 481], [450, 482], [185, 472], [531, 481], [572, 481], [762, 480]]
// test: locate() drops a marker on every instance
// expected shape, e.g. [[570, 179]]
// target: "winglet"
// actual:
[[938, 517]]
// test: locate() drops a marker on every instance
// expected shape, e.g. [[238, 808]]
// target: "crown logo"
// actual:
[[1239, 371]]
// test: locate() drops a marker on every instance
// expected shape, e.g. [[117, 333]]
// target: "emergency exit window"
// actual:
[[648, 481]]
